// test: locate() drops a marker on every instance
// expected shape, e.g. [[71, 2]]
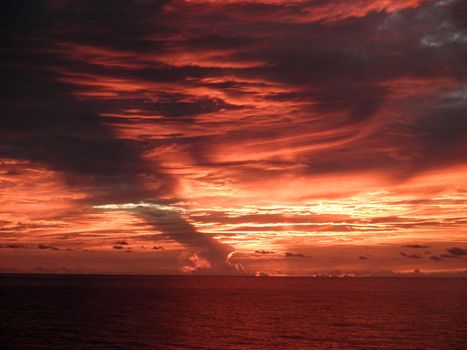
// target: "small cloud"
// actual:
[[448, 256], [416, 246], [294, 255], [261, 274], [457, 251], [363, 257], [13, 246], [158, 247], [263, 252], [117, 247], [410, 256], [46, 246], [121, 243], [436, 258], [194, 263]]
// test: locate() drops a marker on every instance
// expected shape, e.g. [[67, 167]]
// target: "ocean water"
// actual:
[[153, 312]]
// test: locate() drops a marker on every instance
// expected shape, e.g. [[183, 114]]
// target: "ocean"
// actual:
[[194, 312]]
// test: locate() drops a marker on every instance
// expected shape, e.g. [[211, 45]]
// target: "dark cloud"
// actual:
[[306, 57], [158, 247], [294, 255], [411, 256], [457, 251], [46, 246], [13, 246], [118, 247], [263, 252], [176, 106], [44, 121], [436, 258], [121, 243], [416, 246], [174, 227], [363, 257]]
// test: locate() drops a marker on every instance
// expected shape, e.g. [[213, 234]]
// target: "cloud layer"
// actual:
[[255, 126]]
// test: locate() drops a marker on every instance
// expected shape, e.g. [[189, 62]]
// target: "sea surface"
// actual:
[[154, 312]]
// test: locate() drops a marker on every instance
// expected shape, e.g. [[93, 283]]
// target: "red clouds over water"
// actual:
[[330, 130]]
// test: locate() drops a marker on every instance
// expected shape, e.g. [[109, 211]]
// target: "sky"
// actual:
[[308, 138]]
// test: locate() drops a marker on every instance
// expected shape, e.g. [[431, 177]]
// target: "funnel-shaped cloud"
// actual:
[[204, 253]]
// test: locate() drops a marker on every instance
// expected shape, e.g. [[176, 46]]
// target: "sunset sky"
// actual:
[[230, 136]]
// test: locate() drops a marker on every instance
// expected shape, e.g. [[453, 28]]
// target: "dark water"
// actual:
[[121, 312]]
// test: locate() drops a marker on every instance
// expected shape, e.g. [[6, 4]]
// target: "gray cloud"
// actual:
[[294, 255], [411, 256], [436, 258], [416, 246], [46, 246], [457, 251]]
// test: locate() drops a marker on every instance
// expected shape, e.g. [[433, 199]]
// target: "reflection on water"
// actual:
[[122, 312]]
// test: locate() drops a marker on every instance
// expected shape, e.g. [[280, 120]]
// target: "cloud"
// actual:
[[436, 258], [158, 247], [175, 227], [85, 148], [195, 263], [118, 247], [457, 251], [46, 246], [361, 257], [228, 106], [411, 256], [264, 252], [261, 274], [294, 255], [13, 246], [416, 246]]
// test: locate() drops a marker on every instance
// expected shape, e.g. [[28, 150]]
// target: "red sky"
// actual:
[[308, 137]]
